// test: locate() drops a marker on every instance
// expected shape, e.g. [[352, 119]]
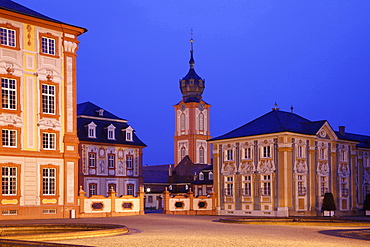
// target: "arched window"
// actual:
[[183, 152], [182, 121], [201, 155], [201, 122]]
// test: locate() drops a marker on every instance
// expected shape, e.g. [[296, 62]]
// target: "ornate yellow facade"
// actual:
[[282, 165], [39, 148]]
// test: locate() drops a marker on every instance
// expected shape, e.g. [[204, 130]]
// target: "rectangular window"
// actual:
[[9, 181], [266, 152], [301, 188], [323, 186], [110, 134], [247, 153], [48, 99], [247, 189], [48, 141], [93, 189], [229, 154], [92, 159], [322, 153], [48, 181], [9, 138], [266, 189], [111, 161], [48, 46], [150, 199], [129, 162], [7, 37], [229, 190], [9, 93], [300, 153], [130, 189]]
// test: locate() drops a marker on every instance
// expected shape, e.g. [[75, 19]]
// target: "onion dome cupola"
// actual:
[[192, 85]]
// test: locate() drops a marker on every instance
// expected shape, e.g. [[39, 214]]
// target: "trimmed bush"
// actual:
[[367, 202], [328, 203]]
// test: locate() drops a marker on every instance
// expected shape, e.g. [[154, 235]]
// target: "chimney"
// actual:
[[342, 130], [170, 170]]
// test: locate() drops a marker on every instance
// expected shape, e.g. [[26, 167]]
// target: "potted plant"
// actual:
[[367, 205], [328, 205]]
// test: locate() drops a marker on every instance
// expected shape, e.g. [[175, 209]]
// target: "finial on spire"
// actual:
[[275, 107], [191, 62], [291, 109]]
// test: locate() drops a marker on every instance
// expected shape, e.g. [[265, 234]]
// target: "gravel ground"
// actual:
[[170, 230]]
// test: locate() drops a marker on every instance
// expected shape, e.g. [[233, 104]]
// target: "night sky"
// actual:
[[313, 55]]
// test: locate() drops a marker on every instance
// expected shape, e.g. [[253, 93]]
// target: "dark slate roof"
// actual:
[[155, 174], [364, 141], [17, 8], [273, 122], [277, 121], [185, 170], [192, 75], [89, 109]]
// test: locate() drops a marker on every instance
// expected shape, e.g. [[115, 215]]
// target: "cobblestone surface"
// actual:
[[170, 230]]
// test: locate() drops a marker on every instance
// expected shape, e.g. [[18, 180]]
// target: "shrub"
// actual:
[[328, 203], [367, 202]]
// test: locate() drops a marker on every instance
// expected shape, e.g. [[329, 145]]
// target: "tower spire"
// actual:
[[192, 85]]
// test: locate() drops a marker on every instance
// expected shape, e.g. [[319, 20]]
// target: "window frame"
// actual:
[[201, 155], [49, 132], [17, 95], [90, 158], [9, 190], [110, 166], [266, 152], [130, 189], [56, 100], [17, 40], [129, 161], [49, 36], [93, 187], [201, 122], [229, 155], [18, 138], [54, 196], [248, 153]]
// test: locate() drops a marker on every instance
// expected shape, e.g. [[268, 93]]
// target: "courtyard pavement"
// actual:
[[180, 230]]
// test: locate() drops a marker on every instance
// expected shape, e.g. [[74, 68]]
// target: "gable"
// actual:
[[326, 132]]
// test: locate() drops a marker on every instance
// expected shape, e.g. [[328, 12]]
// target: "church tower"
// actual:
[[192, 119]]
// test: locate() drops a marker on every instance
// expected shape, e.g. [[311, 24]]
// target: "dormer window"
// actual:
[[210, 176], [201, 176], [100, 112], [111, 132], [91, 130], [129, 134]]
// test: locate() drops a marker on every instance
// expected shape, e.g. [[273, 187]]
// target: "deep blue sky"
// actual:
[[312, 54]]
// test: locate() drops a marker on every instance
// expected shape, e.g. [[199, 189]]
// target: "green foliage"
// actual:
[[328, 203], [367, 202]]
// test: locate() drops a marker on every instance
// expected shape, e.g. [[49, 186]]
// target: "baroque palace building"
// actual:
[[110, 153], [39, 146], [282, 164]]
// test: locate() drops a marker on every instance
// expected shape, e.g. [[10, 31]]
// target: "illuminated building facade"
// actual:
[[282, 164], [39, 145], [110, 153]]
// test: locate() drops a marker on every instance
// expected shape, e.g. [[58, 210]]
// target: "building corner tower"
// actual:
[[192, 119]]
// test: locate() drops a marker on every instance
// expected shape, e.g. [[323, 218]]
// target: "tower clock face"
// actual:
[[201, 107], [182, 107]]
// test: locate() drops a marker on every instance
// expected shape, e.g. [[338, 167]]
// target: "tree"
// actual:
[[328, 203]]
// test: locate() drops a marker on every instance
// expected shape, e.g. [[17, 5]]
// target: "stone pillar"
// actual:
[[112, 195], [191, 201], [141, 195], [166, 201], [81, 195]]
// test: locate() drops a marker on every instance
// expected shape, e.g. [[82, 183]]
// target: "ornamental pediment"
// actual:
[[326, 132]]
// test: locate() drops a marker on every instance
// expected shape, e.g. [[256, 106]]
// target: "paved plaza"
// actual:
[[181, 230]]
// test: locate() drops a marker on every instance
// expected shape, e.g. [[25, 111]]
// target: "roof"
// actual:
[[273, 122], [90, 109], [184, 172], [87, 113], [17, 8], [155, 174], [277, 121]]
